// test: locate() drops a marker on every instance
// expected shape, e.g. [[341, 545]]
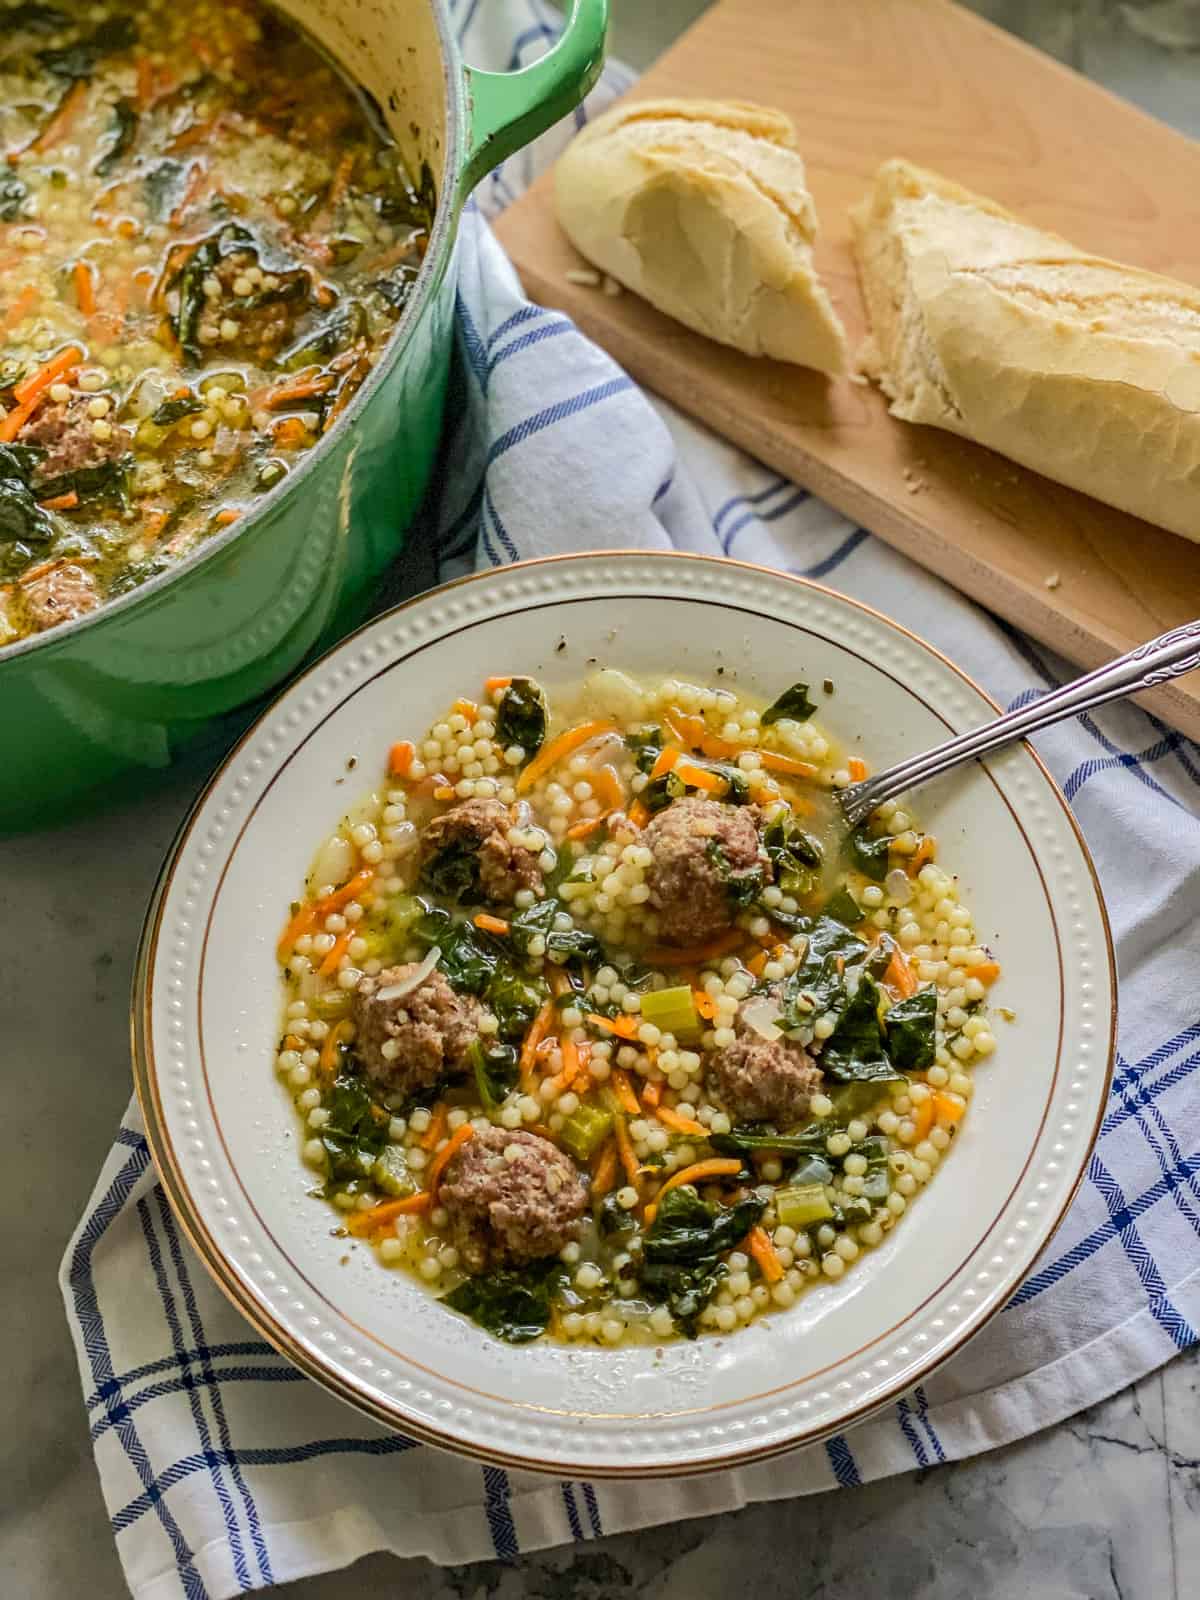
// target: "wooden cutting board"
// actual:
[[868, 79]]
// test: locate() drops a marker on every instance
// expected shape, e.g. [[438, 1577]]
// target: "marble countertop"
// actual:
[[1106, 1505]]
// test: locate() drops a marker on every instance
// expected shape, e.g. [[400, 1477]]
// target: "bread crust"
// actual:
[[701, 207], [1080, 368]]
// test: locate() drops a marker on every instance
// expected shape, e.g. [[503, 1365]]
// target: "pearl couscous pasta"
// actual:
[[600, 1024], [206, 238]]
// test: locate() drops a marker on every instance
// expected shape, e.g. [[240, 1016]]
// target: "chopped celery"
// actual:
[[673, 1011], [585, 1130], [803, 1206], [391, 1173], [332, 1005]]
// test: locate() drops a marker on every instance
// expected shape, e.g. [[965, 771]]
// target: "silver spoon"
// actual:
[[1169, 656]]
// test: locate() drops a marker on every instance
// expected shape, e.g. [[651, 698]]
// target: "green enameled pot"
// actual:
[[97, 706]]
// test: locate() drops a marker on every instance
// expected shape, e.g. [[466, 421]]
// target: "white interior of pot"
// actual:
[[393, 49]]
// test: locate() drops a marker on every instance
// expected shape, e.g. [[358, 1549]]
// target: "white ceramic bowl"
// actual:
[[226, 1138]]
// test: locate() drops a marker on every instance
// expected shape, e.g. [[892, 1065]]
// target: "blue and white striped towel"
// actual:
[[213, 1485]]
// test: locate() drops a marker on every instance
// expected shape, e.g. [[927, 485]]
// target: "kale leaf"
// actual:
[[572, 944], [793, 703], [495, 1068], [162, 187], [911, 1027], [357, 1130], [79, 60], [646, 745], [870, 854], [466, 962], [856, 1049], [21, 518], [660, 791], [452, 872], [844, 908], [12, 193], [743, 1140], [512, 1305], [514, 1000], [795, 855], [818, 983], [743, 888], [682, 1250], [521, 716], [124, 132], [176, 408]]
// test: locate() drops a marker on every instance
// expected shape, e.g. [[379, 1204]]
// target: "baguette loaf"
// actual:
[[1084, 370], [700, 206]]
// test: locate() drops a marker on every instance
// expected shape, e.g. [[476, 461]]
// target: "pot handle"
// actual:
[[507, 110]]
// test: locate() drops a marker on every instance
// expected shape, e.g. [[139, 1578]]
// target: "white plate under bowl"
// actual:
[[226, 1138]]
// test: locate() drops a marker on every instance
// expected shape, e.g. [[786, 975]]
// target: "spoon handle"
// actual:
[[1169, 656]]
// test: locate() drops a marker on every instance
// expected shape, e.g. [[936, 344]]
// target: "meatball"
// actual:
[[482, 828], [415, 1040], [264, 305], [65, 433], [60, 594], [512, 1197], [688, 888], [765, 1080]]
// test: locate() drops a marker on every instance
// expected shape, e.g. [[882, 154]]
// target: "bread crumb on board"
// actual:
[[913, 482], [585, 277], [1052, 580]]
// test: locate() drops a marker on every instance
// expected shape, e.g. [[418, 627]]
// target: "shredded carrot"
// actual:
[[606, 786], [758, 1243], [697, 955], [758, 962], [700, 778], [857, 769], [925, 851], [367, 1222], [492, 685], [718, 1167], [948, 1107], [302, 388], [47, 373], [436, 1131], [651, 1094], [665, 761], [538, 1029], [639, 814], [589, 825], [490, 924], [329, 1049], [558, 749], [85, 288], [444, 792], [771, 762], [438, 1165], [224, 518], [693, 732], [289, 433], [24, 302], [987, 971], [559, 982], [341, 182], [340, 945], [622, 1027], [899, 975], [466, 708], [145, 82], [623, 1089], [922, 1119], [401, 757], [680, 1124], [61, 502], [307, 918], [625, 1150], [704, 1004], [604, 1173], [574, 1060], [59, 124]]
